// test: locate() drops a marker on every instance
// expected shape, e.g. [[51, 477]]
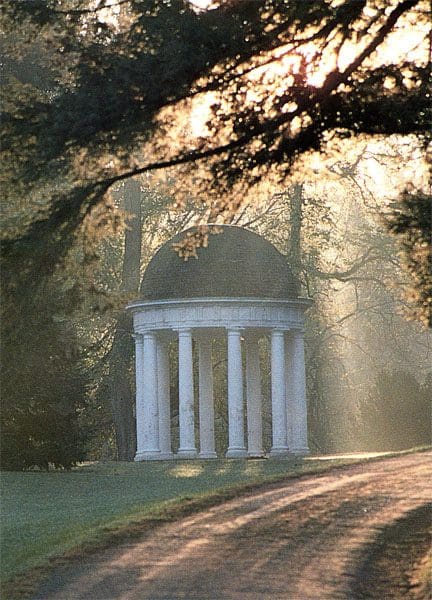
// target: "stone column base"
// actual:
[[166, 456], [148, 455], [257, 454], [236, 453], [279, 451], [207, 455], [186, 453]]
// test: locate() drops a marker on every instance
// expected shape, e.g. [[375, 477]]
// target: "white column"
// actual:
[[289, 386], [164, 399], [148, 422], [299, 414], [279, 425], [253, 396], [236, 446], [187, 447], [206, 403], [139, 371]]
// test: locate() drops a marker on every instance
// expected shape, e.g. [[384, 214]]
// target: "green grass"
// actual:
[[45, 515]]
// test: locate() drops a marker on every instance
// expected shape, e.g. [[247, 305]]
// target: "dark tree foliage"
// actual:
[[43, 392], [396, 415], [68, 147], [411, 221]]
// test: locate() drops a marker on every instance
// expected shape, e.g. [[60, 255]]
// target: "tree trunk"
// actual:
[[296, 215], [120, 387]]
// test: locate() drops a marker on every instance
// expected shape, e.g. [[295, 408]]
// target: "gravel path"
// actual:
[[307, 538]]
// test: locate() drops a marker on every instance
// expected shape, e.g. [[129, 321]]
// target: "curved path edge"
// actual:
[[306, 538]]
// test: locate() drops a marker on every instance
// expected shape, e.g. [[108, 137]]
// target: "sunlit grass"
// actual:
[[353, 455], [185, 470]]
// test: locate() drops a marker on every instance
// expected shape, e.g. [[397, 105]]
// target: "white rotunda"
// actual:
[[241, 288]]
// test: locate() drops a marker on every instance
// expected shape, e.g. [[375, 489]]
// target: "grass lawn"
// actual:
[[47, 514]]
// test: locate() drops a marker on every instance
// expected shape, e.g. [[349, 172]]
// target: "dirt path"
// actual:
[[319, 537]]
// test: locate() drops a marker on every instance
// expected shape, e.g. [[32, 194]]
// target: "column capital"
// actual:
[[148, 333], [235, 330], [183, 330], [138, 337], [280, 330]]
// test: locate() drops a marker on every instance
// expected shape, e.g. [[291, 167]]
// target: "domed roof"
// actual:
[[237, 263]]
